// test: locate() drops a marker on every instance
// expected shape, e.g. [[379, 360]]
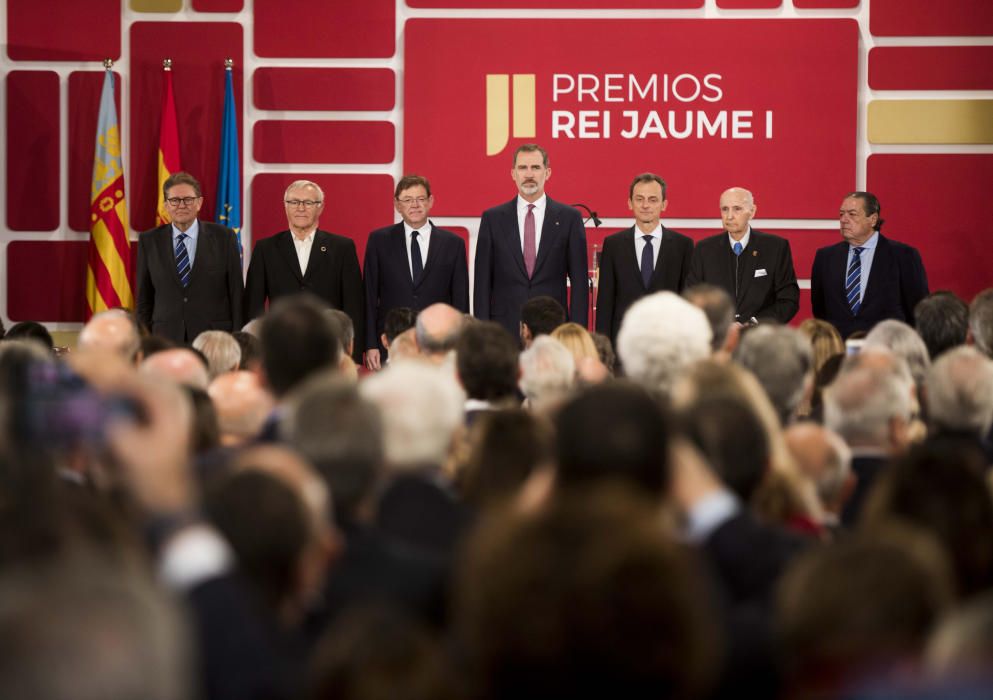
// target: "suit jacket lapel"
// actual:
[[286, 248], [318, 255], [752, 257], [631, 260], [880, 257], [549, 230], [659, 274], [168, 252], [514, 240], [398, 243]]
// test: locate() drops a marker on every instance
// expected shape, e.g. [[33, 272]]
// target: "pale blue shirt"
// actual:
[[639, 244], [191, 241], [868, 249]]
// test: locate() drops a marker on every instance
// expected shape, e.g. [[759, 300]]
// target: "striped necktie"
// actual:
[[182, 259], [853, 281]]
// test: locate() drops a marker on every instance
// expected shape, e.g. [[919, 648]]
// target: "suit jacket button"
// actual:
[[185, 300]]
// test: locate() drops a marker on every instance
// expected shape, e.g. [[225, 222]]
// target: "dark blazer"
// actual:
[[212, 301], [620, 275], [333, 275], [501, 284], [772, 296], [897, 281], [388, 284]]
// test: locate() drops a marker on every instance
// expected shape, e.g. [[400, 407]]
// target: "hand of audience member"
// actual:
[[692, 478], [372, 361]]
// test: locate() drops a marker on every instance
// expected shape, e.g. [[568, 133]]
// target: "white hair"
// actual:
[[548, 371], [960, 391], [859, 404], [221, 350], [296, 184], [422, 408], [903, 341], [781, 359], [660, 335]]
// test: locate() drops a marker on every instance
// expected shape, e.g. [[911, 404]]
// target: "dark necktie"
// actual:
[[853, 281], [416, 264], [647, 264], [530, 247], [182, 259]]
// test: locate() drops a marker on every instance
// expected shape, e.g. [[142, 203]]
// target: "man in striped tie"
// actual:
[[867, 277], [189, 271]]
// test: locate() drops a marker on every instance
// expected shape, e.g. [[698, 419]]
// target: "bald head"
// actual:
[[242, 405], [404, 346], [111, 332], [177, 365], [737, 209], [438, 327], [824, 458]]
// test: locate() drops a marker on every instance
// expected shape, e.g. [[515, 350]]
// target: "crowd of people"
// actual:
[[706, 510]]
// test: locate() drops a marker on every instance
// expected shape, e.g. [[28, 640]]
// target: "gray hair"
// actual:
[[662, 334], [548, 370], [422, 407], [960, 391], [903, 341], [221, 350], [304, 183], [981, 321], [859, 404], [782, 360]]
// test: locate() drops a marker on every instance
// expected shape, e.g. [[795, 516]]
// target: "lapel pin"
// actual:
[[324, 249], [755, 253]]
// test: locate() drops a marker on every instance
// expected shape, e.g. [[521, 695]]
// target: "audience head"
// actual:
[[251, 351], [605, 351], [942, 320], [578, 341], [486, 361], [825, 341], [824, 458], [298, 340], [396, 322], [346, 329], [114, 332], [661, 335], [782, 361], [548, 373], [33, 331], [902, 341], [960, 392], [222, 351], [718, 305], [981, 321], [404, 346], [540, 316], [438, 328], [242, 405], [179, 365]]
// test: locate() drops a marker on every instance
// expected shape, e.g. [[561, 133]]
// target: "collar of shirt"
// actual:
[[656, 234], [870, 243], [193, 232], [539, 205], [744, 239], [424, 231], [309, 238]]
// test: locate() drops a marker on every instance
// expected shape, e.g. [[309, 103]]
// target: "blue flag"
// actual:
[[228, 178]]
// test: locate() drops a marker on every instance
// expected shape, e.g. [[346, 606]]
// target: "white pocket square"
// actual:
[[761, 272]]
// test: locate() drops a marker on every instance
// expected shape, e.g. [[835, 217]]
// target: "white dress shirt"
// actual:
[[639, 244], [303, 247], [423, 240]]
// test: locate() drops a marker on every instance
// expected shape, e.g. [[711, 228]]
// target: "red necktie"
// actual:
[[530, 248]]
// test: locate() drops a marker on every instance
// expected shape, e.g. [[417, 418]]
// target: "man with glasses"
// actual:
[[189, 271], [306, 259], [412, 264]]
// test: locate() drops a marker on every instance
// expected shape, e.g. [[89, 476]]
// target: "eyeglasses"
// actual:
[[407, 201], [185, 201], [305, 203]]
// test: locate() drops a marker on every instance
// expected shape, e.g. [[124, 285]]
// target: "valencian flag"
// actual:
[[108, 268], [228, 183], [168, 143]]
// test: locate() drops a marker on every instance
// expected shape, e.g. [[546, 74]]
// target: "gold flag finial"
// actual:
[[167, 64]]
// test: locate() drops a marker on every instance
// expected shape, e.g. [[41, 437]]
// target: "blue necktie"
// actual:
[[853, 281], [182, 259], [416, 265], [647, 264], [737, 248]]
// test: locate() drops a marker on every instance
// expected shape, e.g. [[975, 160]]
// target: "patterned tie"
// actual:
[[416, 265], [853, 282], [647, 266], [530, 247], [737, 248], [182, 259]]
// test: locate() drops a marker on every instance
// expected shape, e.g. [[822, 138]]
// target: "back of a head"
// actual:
[[507, 446], [346, 327], [222, 351], [981, 321], [438, 328], [31, 331], [960, 392], [660, 335], [578, 340], [181, 366], [942, 321], [825, 340], [903, 341], [251, 351], [114, 331], [586, 597], [718, 305], [298, 340], [862, 400], [548, 371], [486, 361], [242, 405], [613, 431], [782, 360], [542, 315], [397, 321]]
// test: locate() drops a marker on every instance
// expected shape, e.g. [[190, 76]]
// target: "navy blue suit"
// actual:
[[897, 281], [388, 284], [501, 284]]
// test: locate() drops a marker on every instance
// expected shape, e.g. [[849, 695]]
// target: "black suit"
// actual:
[[388, 285], [621, 283], [762, 281], [501, 284], [211, 301], [897, 281], [333, 275]]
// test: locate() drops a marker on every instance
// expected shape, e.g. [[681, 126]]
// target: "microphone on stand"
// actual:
[[592, 215]]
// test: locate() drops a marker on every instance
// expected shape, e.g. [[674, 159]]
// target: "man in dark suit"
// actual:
[[866, 278], [642, 259], [306, 259], [411, 264], [528, 247], [189, 271], [755, 268]]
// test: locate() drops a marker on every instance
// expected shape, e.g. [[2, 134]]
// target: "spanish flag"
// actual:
[[168, 143], [108, 268]]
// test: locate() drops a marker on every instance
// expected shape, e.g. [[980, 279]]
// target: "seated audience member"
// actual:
[[825, 341], [242, 406], [486, 366], [960, 397], [251, 351], [856, 614], [660, 336], [151, 344], [437, 330], [824, 458], [404, 346], [942, 321], [782, 361], [113, 331], [30, 330], [347, 331], [718, 305], [548, 374], [222, 351], [540, 316], [605, 351], [396, 322], [959, 651], [577, 339], [587, 597], [940, 488], [981, 322], [206, 429], [870, 406], [904, 342], [179, 365]]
